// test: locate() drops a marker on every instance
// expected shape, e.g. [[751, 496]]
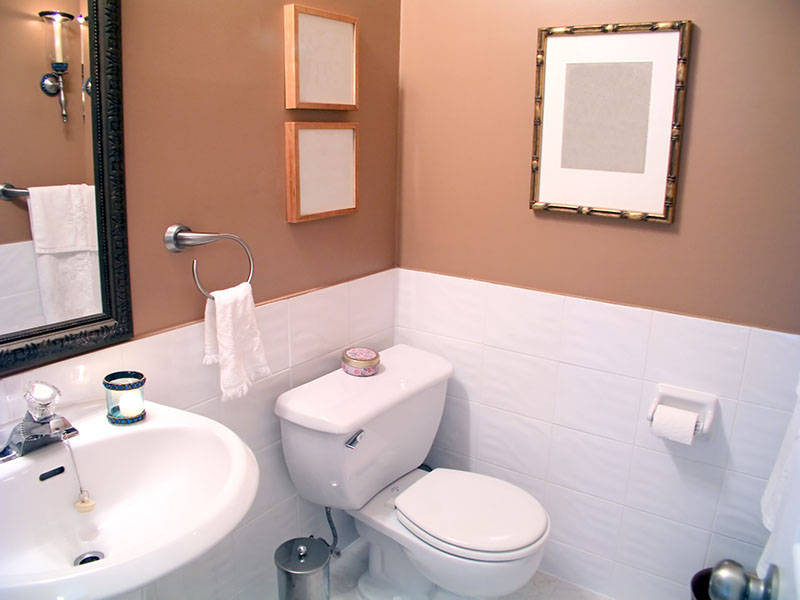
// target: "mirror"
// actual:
[[95, 118]]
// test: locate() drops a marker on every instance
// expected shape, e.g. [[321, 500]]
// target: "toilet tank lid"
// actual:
[[339, 403]]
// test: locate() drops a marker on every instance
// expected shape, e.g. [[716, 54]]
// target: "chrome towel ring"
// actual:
[[178, 238]]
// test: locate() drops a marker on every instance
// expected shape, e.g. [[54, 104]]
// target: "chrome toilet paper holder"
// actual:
[[704, 404]]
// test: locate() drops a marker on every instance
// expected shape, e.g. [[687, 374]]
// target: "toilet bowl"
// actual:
[[355, 443], [466, 533]]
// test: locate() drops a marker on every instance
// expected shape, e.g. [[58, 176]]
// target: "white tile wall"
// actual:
[[519, 383], [697, 353], [21, 311], [661, 546], [583, 521], [20, 306], [549, 393], [170, 362], [756, 439], [585, 569], [532, 485], [524, 321], [451, 306], [598, 402], [493, 430], [770, 369], [589, 463], [319, 323], [457, 433], [633, 515], [606, 337], [738, 513], [633, 584], [371, 305], [673, 487]]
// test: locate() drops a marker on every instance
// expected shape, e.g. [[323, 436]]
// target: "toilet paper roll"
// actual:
[[674, 424]]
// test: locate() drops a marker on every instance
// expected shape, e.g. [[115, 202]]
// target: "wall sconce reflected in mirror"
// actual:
[[86, 85], [58, 53]]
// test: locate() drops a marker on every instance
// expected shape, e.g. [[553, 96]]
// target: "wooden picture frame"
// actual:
[[608, 119], [321, 170], [321, 59]]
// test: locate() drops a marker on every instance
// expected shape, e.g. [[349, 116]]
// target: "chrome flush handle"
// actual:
[[355, 439]]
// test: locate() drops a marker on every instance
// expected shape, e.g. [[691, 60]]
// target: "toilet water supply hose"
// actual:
[[334, 549]]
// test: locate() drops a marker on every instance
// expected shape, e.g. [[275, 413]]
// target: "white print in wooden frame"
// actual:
[[321, 59], [321, 170], [608, 119]]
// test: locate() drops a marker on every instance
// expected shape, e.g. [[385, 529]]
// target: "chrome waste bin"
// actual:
[[304, 569]]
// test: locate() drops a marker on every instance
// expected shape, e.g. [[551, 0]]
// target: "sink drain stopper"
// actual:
[[88, 557]]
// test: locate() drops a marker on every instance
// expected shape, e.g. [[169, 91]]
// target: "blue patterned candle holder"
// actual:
[[124, 397]]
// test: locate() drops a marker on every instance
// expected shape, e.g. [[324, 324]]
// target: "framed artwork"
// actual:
[[608, 119], [321, 59], [321, 170]]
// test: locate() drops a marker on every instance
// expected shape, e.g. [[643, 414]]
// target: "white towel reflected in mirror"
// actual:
[[64, 230]]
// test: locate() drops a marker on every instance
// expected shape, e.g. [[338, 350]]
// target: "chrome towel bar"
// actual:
[[9, 192], [178, 238]]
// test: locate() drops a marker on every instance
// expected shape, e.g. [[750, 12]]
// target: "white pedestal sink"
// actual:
[[166, 490]]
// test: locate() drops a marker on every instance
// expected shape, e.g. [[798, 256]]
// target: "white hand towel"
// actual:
[[63, 218], [64, 230], [69, 285], [233, 341]]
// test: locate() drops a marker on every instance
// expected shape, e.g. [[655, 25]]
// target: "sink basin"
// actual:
[[166, 490]]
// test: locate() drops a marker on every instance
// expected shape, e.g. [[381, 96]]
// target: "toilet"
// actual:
[[356, 443]]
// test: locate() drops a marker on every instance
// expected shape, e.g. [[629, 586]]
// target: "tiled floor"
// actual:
[[346, 569]]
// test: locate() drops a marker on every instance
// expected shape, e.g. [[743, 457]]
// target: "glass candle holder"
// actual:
[[124, 397]]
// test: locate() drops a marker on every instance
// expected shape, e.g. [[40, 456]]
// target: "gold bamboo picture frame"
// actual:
[[320, 59], [321, 170], [609, 119]]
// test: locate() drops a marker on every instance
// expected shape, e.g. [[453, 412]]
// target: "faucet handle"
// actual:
[[41, 398]]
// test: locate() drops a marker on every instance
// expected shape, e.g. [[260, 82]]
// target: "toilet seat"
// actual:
[[472, 515]]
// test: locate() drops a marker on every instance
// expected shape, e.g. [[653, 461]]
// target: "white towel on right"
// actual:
[[233, 341], [784, 468], [780, 507]]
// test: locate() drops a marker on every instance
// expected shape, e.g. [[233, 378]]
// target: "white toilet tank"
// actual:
[[345, 438]]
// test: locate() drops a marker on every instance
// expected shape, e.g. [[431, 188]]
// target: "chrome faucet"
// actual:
[[40, 426]]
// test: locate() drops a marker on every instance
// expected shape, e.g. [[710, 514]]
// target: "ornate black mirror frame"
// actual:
[[41, 345]]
